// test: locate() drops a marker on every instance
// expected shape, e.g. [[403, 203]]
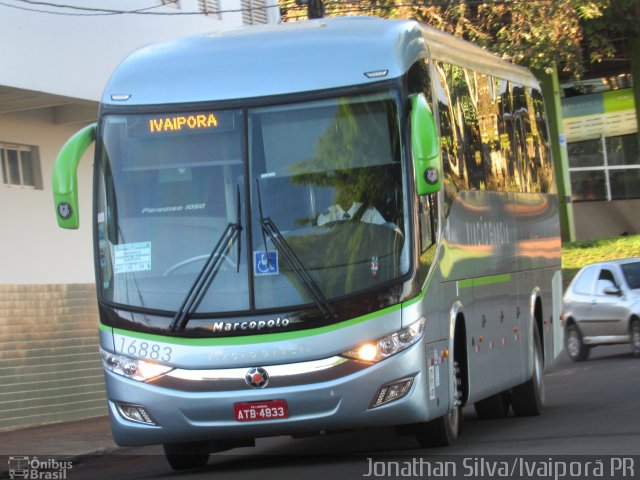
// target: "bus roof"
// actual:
[[289, 58]]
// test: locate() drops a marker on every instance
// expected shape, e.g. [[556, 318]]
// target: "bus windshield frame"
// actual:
[[330, 174]]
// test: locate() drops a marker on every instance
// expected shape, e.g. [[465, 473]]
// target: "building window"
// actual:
[[210, 8], [605, 168], [254, 12], [20, 166], [170, 3]]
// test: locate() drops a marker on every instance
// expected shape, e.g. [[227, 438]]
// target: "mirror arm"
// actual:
[[65, 176], [425, 147]]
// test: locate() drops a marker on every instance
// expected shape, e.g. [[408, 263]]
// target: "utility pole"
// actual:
[[315, 8]]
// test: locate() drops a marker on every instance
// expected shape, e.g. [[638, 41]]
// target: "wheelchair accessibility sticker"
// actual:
[[265, 263]]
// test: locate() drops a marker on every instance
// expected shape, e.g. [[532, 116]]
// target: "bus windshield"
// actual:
[[326, 175]]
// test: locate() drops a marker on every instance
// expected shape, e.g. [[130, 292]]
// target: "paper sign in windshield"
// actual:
[[132, 257]]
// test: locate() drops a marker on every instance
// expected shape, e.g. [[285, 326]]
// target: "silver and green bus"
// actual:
[[318, 226]]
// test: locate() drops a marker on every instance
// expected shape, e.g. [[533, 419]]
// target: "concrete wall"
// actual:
[[50, 370], [606, 219]]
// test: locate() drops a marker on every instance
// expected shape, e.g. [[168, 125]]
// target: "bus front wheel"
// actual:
[[444, 431], [441, 432], [186, 455]]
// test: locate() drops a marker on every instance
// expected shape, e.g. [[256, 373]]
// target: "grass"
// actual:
[[576, 255]]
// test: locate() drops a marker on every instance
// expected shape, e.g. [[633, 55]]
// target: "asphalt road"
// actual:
[[592, 409]]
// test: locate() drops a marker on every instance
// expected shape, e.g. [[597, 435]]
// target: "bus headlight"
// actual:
[[385, 347], [134, 368]]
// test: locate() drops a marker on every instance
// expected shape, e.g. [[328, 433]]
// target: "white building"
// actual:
[[54, 63]]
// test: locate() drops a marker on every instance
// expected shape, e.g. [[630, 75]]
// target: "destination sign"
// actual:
[[183, 122], [174, 123]]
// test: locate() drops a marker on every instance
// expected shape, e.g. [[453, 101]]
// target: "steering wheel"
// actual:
[[197, 258]]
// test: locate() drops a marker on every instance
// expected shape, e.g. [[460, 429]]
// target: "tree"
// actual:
[[605, 34], [535, 33]]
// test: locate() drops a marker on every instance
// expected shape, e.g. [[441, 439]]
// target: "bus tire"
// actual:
[[441, 432], [444, 431], [186, 455], [496, 406], [527, 399]]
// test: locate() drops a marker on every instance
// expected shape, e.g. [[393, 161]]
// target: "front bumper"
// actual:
[[334, 398]]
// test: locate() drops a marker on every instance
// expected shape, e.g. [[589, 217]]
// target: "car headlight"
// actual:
[[134, 368], [385, 347]]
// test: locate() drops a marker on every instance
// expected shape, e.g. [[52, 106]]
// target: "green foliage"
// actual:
[[579, 254], [576, 255], [619, 20], [538, 34]]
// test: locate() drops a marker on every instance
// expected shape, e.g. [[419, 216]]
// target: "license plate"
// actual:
[[256, 411]]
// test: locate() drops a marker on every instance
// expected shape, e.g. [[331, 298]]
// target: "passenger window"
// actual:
[[584, 283], [606, 280], [492, 101], [462, 159], [543, 152]]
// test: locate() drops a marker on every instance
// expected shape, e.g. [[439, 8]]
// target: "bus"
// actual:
[[317, 226]]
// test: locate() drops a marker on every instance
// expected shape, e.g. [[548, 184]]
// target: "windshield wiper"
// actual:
[[208, 272], [293, 260]]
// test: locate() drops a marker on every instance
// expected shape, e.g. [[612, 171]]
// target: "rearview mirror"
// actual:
[[65, 177], [425, 145]]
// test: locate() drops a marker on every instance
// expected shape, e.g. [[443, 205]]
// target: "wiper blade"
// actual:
[[294, 261], [208, 272]]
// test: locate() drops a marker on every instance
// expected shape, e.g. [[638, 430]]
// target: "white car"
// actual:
[[602, 307]]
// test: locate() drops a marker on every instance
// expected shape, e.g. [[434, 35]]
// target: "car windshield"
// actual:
[[631, 272], [327, 174]]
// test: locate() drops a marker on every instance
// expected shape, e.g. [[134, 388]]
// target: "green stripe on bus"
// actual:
[[270, 337], [254, 339], [481, 281]]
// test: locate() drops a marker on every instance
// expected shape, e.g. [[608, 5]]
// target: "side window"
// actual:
[[543, 150], [495, 145], [428, 218], [606, 279], [428, 221], [462, 148], [518, 134], [465, 96], [505, 119], [584, 283]]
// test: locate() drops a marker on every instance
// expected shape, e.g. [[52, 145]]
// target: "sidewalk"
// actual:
[[69, 440]]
